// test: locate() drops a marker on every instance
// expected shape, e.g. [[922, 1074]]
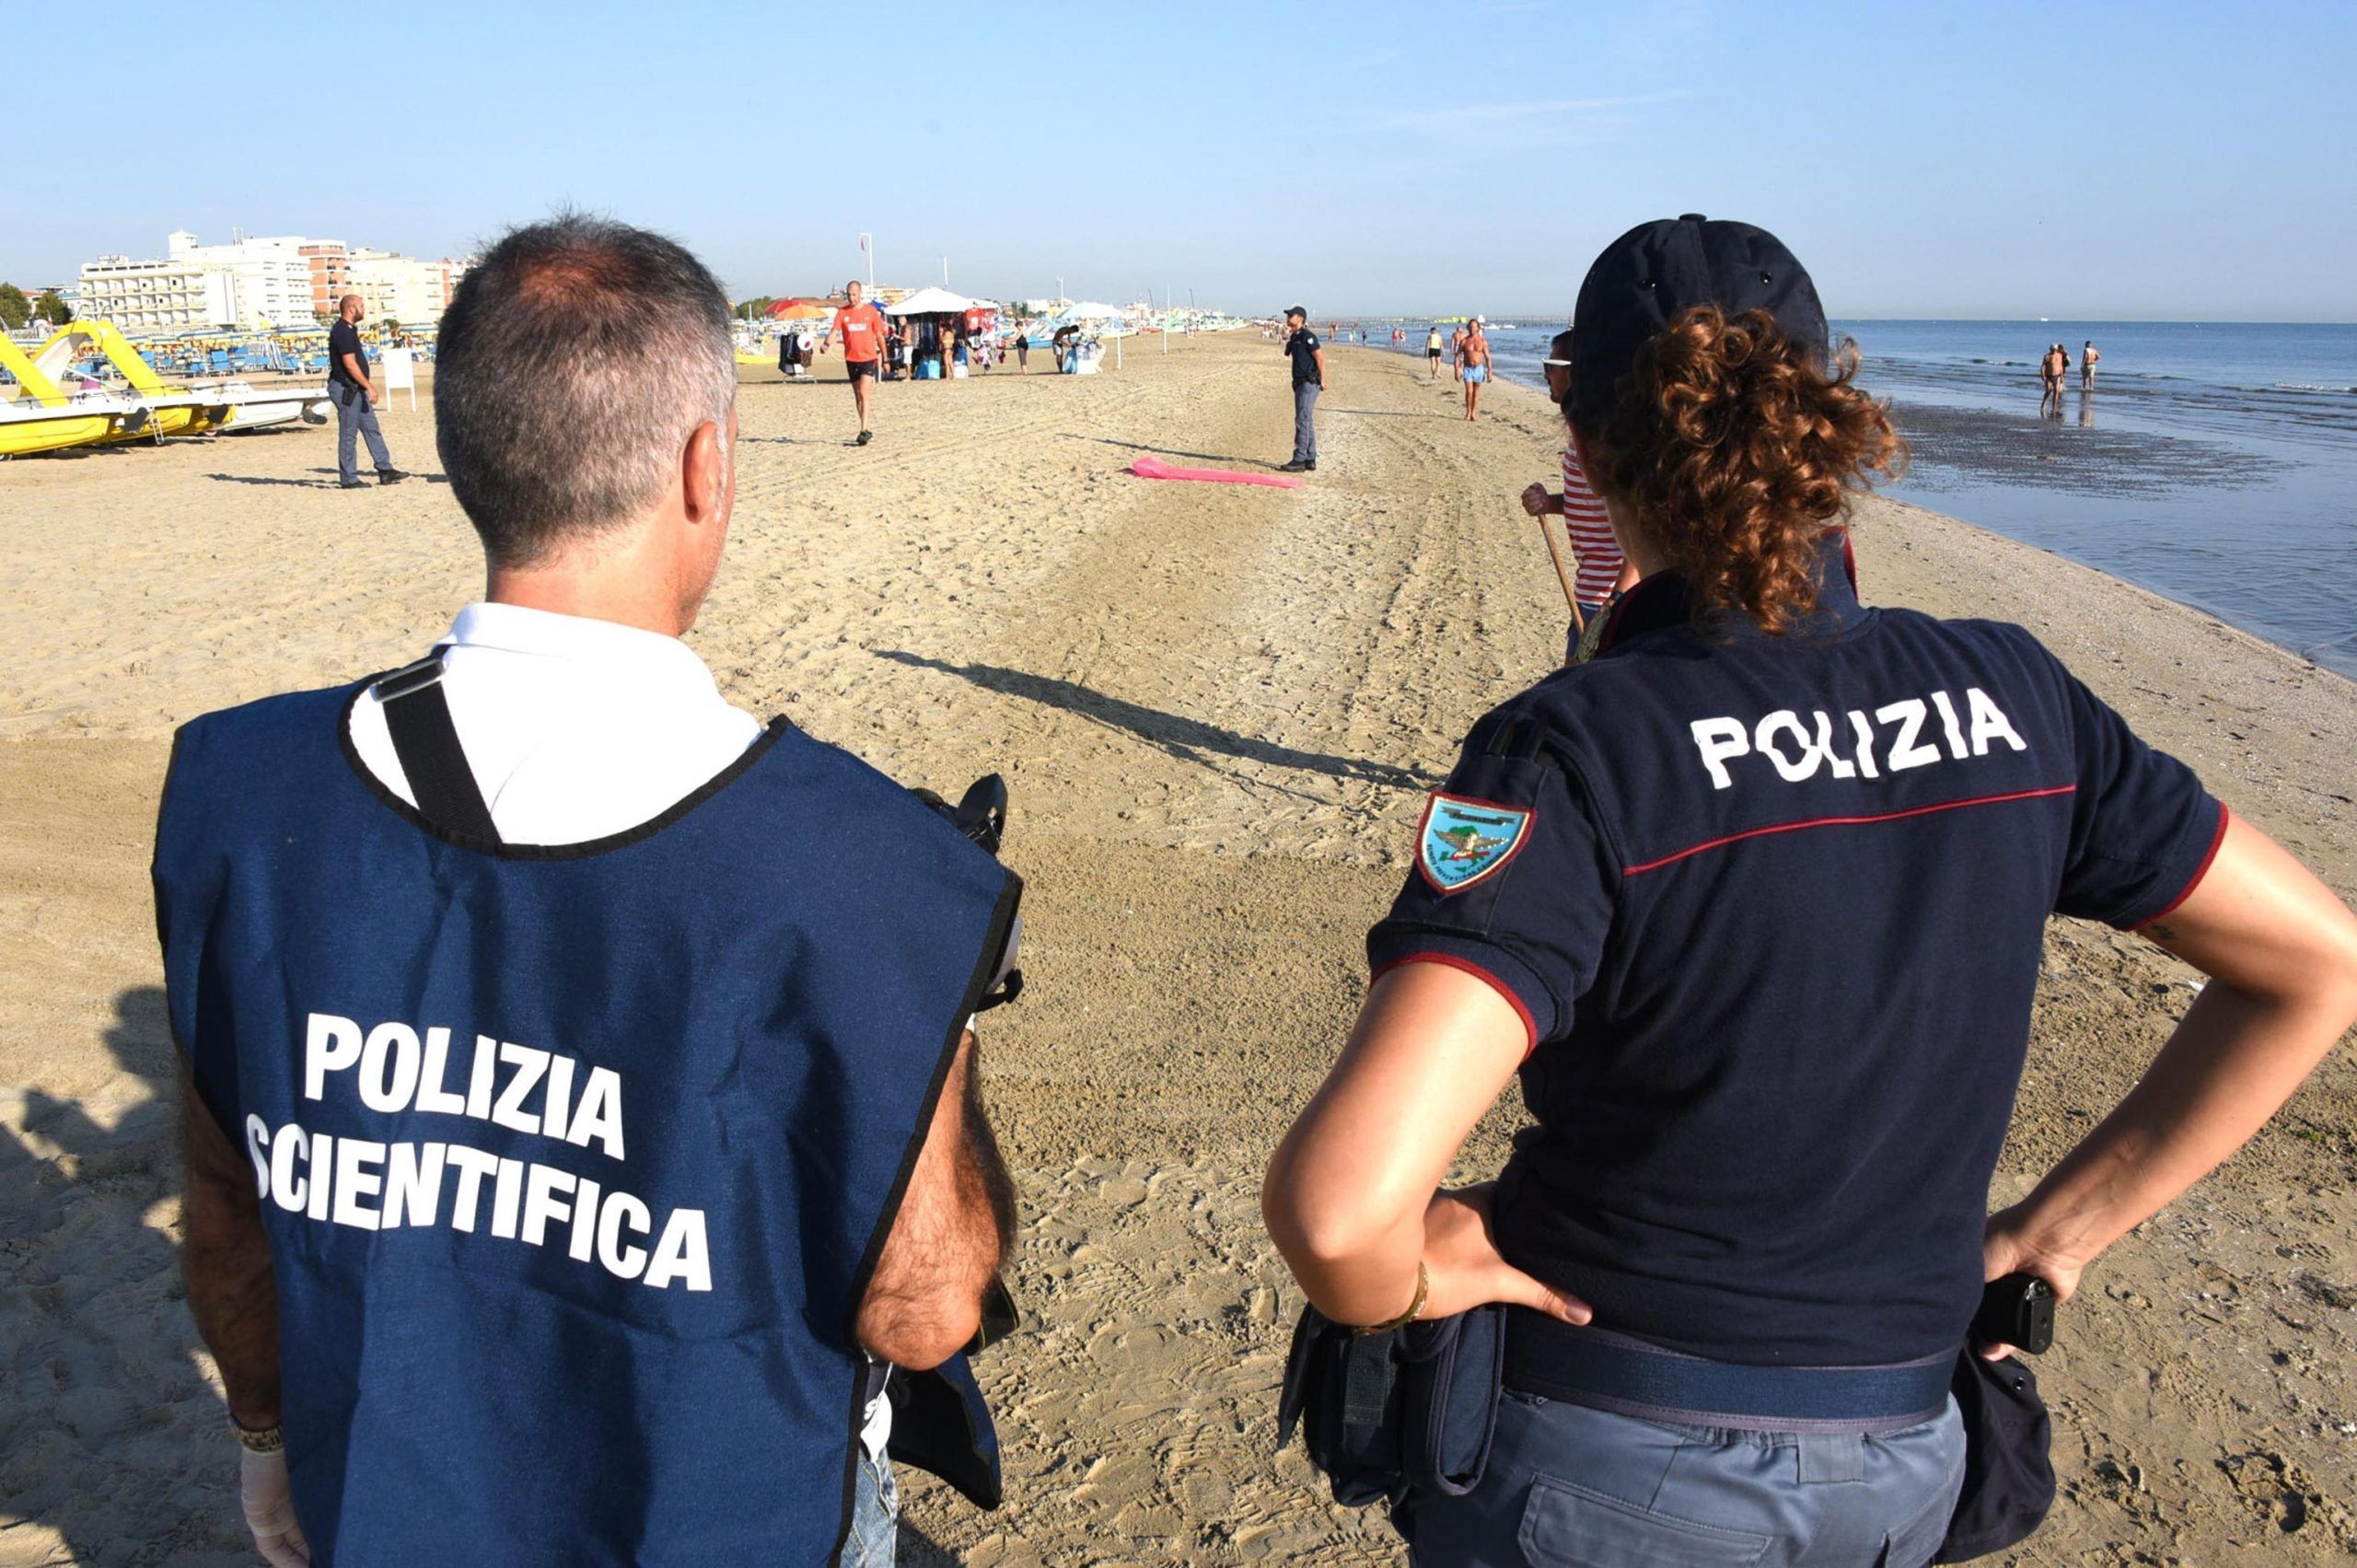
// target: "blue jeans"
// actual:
[[1581, 1488], [1305, 432], [354, 418], [874, 1516]]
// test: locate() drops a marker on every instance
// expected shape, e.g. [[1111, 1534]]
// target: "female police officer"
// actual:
[[1753, 902]]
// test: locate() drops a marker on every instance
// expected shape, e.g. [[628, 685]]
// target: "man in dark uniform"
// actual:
[[584, 1157], [1309, 364], [354, 397]]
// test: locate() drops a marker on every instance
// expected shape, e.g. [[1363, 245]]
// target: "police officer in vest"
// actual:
[[584, 1163], [1752, 903]]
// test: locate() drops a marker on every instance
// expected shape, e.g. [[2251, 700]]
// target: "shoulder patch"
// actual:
[[1462, 840]]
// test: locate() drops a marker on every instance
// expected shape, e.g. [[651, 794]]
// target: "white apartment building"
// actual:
[[400, 288], [248, 284], [254, 283], [158, 296]]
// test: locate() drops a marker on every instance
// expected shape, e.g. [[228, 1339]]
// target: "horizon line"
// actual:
[[1549, 317]]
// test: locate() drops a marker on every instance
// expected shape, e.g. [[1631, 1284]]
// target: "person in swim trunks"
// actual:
[[1473, 360], [863, 329], [1432, 351]]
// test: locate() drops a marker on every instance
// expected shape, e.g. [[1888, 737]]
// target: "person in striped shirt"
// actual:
[[1603, 572]]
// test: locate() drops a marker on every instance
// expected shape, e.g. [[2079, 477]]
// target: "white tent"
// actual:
[[933, 301], [1089, 310]]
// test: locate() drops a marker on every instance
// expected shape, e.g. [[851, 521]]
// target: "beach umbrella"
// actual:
[[930, 301]]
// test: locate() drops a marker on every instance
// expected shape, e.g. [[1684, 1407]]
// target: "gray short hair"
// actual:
[[575, 360]]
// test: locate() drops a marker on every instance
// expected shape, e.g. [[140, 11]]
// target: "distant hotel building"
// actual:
[[261, 284], [401, 288]]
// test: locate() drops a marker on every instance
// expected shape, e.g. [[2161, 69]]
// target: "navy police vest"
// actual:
[[574, 1160]]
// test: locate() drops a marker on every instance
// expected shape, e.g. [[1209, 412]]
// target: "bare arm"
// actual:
[[226, 1259], [1351, 1194], [2281, 954], [948, 1239], [1319, 355]]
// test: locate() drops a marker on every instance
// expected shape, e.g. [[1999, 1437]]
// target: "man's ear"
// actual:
[[704, 471]]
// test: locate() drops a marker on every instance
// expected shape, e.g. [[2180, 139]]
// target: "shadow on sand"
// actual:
[[330, 482], [1172, 452], [122, 1454], [1189, 740]]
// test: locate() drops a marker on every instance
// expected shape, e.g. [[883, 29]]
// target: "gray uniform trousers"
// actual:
[[1304, 431], [355, 416], [1569, 1486]]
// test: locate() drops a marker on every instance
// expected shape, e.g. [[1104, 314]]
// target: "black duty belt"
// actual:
[[1609, 1371]]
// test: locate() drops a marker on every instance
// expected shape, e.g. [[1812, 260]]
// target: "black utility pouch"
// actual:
[[1382, 1413], [2008, 1463]]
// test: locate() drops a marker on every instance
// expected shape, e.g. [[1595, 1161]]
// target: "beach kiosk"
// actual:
[[927, 311]]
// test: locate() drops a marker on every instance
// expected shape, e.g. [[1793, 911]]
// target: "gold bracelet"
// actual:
[[1415, 1308], [269, 1439]]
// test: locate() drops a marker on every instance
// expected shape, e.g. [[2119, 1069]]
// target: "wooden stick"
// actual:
[[1579, 621]]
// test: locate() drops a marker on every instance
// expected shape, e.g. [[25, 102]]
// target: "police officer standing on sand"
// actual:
[[584, 1157], [1307, 361], [354, 397], [1753, 904]]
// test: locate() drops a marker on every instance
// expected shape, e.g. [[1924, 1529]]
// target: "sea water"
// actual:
[[2215, 463]]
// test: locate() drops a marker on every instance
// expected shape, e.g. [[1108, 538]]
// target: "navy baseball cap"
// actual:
[[1657, 270]]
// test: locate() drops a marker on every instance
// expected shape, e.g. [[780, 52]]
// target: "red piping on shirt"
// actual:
[[2198, 873], [1847, 821], [1529, 1027]]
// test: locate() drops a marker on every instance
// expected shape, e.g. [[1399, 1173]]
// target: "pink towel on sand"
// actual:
[[1155, 468]]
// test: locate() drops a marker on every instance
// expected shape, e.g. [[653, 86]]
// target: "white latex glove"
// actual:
[[270, 1510]]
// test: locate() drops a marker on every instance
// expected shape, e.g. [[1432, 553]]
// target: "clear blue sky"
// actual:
[[2089, 160]]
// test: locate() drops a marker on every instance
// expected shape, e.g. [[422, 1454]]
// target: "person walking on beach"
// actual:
[[2050, 373], [1309, 366], [583, 1153], [1762, 888], [862, 328], [1432, 351], [1022, 351], [354, 397], [1457, 351], [2087, 357], [1601, 572], [1474, 358]]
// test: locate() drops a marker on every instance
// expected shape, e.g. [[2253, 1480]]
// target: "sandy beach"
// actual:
[[1217, 708]]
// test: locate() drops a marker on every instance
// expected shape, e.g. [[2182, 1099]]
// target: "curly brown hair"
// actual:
[[1734, 446]]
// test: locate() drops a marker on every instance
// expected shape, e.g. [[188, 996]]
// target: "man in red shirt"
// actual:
[[863, 330]]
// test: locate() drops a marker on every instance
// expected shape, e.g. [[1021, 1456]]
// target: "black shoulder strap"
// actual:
[[417, 715]]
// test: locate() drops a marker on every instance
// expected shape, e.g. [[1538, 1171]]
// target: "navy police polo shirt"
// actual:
[[1772, 911]]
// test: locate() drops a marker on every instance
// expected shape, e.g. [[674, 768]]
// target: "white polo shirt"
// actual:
[[575, 729], [578, 729]]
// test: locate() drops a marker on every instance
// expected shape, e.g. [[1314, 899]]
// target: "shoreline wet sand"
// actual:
[[1217, 708], [2257, 529]]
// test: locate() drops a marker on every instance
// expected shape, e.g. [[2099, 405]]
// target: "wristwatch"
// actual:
[[271, 1439]]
